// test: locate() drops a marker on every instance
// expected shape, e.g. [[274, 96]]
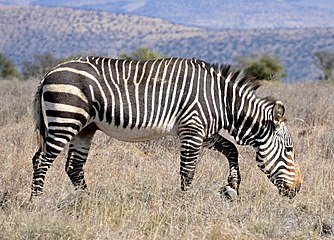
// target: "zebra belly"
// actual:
[[135, 134]]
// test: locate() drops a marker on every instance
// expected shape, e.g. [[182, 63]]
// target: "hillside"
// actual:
[[214, 14], [27, 30]]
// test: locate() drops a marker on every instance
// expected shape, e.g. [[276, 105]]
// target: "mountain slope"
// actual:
[[214, 14], [25, 31]]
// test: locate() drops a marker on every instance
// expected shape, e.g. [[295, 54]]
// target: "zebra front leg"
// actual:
[[191, 144], [224, 146], [77, 156]]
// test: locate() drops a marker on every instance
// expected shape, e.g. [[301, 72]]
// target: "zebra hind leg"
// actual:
[[224, 146], [77, 156], [54, 143]]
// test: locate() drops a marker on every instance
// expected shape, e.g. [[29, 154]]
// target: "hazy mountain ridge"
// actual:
[[214, 14], [25, 31]]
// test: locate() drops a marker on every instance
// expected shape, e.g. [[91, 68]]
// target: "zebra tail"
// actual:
[[38, 118]]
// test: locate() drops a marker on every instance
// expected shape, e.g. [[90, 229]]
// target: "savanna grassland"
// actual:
[[134, 188]]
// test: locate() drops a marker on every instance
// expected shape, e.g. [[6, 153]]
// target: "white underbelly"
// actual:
[[135, 134]]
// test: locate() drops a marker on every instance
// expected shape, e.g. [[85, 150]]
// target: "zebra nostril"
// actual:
[[291, 194], [298, 188]]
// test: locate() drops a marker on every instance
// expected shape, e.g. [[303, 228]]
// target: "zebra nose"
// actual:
[[294, 191]]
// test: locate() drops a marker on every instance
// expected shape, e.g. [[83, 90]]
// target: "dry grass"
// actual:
[[134, 188]]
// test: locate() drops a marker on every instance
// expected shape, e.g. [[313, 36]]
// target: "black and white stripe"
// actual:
[[143, 100]]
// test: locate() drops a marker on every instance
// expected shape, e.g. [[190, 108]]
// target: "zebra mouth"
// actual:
[[289, 192]]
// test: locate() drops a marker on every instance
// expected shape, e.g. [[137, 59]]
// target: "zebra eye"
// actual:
[[289, 148]]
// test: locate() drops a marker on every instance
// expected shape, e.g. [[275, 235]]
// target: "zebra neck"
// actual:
[[250, 119]]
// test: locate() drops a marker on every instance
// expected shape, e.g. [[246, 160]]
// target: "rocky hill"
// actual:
[[27, 30]]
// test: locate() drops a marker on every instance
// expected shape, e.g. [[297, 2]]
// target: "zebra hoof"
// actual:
[[229, 193], [72, 199]]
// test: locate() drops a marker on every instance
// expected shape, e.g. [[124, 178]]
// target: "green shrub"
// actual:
[[263, 67], [8, 69]]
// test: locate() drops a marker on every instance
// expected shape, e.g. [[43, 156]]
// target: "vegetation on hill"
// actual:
[[26, 31]]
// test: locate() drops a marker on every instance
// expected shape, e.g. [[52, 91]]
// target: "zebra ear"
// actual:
[[278, 112]]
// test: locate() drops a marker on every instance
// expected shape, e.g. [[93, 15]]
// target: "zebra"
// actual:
[[142, 100]]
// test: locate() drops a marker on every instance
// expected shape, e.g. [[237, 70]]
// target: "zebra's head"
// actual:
[[275, 153]]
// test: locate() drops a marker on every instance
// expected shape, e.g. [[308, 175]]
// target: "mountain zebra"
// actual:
[[143, 100]]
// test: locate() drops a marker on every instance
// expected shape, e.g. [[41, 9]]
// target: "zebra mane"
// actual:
[[241, 78], [237, 76]]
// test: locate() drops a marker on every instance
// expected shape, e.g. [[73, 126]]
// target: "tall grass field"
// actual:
[[134, 188]]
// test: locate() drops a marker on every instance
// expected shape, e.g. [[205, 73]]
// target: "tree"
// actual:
[[40, 66], [142, 53], [8, 69], [326, 63], [263, 67]]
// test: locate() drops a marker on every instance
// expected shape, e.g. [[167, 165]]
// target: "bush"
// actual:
[[263, 67], [326, 63], [8, 69], [40, 66], [141, 54]]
